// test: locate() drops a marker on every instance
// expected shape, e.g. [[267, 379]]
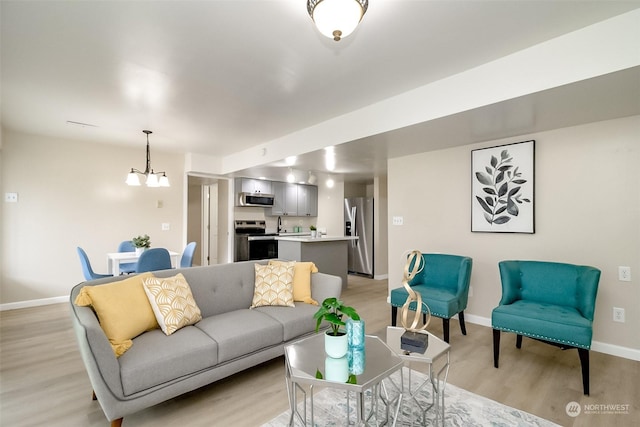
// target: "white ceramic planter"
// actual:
[[336, 346], [139, 251]]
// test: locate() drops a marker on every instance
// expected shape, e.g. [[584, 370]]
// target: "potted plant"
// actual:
[[141, 243], [314, 232], [332, 311]]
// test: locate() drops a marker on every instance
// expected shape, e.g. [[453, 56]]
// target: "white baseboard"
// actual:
[[611, 349], [381, 277], [33, 303]]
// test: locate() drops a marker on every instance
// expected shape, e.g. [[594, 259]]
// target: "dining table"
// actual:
[[114, 259]]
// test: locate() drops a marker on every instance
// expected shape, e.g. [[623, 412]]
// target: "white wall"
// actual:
[[72, 194], [587, 207]]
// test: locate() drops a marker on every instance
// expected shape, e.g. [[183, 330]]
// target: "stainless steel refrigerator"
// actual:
[[358, 216]]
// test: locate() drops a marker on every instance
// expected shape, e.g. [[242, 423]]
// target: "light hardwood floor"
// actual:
[[43, 381]]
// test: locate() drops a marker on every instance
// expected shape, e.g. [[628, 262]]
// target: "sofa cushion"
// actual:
[[172, 302], [156, 358], [273, 285], [241, 332], [301, 280], [122, 308], [549, 322], [295, 322]]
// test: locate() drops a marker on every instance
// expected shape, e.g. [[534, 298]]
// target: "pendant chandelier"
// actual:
[[337, 18], [153, 179]]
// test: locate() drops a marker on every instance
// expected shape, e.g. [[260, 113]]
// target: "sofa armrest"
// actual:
[[100, 362], [325, 286]]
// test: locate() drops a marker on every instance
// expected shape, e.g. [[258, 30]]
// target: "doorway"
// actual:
[[207, 219]]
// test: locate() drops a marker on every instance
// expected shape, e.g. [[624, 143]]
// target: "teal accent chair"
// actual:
[[550, 302], [443, 284]]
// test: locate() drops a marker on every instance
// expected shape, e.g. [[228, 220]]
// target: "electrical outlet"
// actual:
[[624, 274], [398, 220], [166, 226], [11, 197], [618, 314]]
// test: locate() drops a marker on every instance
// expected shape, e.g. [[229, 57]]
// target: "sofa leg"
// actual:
[[445, 328], [496, 347], [463, 328], [116, 423], [584, 361], [518, 341], [394, 315]]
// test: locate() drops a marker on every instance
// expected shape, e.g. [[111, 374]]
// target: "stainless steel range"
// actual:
[[253, 242]]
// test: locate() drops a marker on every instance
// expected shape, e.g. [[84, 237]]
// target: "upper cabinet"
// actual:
[[294, 199], [252, 185], [307, 200]]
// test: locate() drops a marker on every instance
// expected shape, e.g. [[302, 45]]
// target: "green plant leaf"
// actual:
[[351, 312], [352, 379], [319, 374]]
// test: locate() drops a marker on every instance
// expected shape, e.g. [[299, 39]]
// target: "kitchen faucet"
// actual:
[[279, 225]]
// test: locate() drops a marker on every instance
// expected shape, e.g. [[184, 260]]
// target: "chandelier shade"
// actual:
[[337, 18], [153, 179]]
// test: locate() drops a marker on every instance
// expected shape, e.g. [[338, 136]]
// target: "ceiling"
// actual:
[[218, 77]]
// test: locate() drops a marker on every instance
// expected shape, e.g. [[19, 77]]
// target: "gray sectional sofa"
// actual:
[[229, 338]]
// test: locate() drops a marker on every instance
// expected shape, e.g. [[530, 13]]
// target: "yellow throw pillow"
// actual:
[[273, 285], [172, 302], [122, 308], [301, 280]]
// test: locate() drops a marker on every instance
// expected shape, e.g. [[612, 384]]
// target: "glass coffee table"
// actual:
[[436, 356], [305, 359]]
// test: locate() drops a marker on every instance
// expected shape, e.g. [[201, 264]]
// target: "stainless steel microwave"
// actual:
[[255, 199]]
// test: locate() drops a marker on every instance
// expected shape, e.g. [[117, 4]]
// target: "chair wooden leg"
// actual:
[[518, 341], [463, 328], [394, 315], [496, 347], [584, 362], [116, 423], [445, 328]]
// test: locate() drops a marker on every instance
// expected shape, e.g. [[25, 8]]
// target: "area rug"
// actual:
[[462, 408]]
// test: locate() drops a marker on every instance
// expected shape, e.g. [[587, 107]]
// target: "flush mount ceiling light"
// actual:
[[154, 179], [337, 18], [290, 176]]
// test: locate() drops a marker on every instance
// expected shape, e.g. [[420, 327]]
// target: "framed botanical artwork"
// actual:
[[502, 188]]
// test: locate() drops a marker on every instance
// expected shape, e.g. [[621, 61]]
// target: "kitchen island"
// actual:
[[328, 253]]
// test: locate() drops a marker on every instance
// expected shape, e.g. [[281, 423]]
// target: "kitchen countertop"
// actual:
[[309, 239]]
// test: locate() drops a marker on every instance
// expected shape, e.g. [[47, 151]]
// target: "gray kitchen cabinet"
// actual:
[[253, 185], [285, 199], [307, 200]]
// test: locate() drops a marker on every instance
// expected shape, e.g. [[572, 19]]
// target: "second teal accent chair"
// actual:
[[550, 302], [443, 284]]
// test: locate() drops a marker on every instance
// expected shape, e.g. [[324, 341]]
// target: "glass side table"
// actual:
[[305, 357], [437, 353]]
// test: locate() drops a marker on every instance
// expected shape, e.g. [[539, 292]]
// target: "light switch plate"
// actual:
[[398, 220]]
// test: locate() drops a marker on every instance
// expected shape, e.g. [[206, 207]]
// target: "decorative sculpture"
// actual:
[[413, 340]]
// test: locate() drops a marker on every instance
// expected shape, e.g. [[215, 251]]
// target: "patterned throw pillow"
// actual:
[[301, 280], [172, 302], [274, 285]]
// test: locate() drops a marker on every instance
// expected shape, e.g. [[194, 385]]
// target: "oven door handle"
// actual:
[[254, 238]]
